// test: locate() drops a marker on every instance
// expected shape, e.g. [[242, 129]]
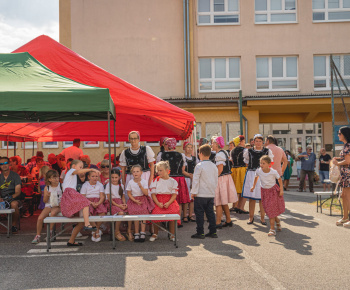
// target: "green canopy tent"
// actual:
[[30, 92]]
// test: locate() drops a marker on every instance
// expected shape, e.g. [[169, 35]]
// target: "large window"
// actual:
[[219, 74], [29, 145], [322, 74], [275, 11], [233, 129], [198, 130], [91, 144], [50, 144], [330, 10], [211, 12], [11, 145], [212, 129], [277, 73]]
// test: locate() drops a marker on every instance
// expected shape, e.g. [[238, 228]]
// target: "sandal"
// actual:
[[137, 238], [272, 233], [185, 217], [153, 238], [130, 237], [142, 237], [278, 227], [341, 222], [192, 219], [120, 237], [74, 244], [172, 238], [90, 228]]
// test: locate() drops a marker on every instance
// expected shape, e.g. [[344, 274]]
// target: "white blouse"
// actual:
[[92, 191], [220, 158], [164, 186], [149, 153], [115, 190], [134, 187]]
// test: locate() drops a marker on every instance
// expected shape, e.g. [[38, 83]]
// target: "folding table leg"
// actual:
[[48, 238], [113, 234], [8, 224], [176, 234], [317, 202]]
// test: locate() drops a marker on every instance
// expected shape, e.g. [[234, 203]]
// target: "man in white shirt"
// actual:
[[74, 151]]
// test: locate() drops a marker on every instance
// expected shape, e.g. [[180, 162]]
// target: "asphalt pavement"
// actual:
[[309, 253]]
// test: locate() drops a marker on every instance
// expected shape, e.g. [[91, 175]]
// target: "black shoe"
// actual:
[[230, 224], [219, 226], [185, 221], [180, 226], [243, 211], [198, 236], [211, 235], [250, 222], [14, 230], [263, 223], [74, 244]]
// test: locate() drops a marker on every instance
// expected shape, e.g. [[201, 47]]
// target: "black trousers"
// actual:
[[204, 205], [310, 175]]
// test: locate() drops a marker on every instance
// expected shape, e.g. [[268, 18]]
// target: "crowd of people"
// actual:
[[190, 183]]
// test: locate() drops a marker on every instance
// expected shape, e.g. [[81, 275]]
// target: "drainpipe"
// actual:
[[188, 48], [185, 47]]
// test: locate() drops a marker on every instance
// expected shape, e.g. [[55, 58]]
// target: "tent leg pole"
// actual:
[[33, 148], [110, 169], [14, 149], [115, 143], [7, 148], [24, 153]]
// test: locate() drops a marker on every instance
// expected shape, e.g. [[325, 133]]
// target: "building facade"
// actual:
[[198, 55]]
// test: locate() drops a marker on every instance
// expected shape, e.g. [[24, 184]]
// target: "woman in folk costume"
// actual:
[[238, 172], [136, 154], [225, 192], [252, 158], [177, 164], [163, 148]]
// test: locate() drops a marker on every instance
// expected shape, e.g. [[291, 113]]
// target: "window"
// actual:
[[105, 144], [233, 129], [219, 12], [11, 145], [322, 74], [275, 11], [330, 10], [91, 144], [152, 143], [50, 144], [29, 145], [212, 129], [198, 131], [277, 73], [219, 74], [67, 144]]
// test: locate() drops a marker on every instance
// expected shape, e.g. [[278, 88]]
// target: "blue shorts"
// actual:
[[324, 175]]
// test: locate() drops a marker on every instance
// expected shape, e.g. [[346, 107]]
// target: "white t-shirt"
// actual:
[[72, 152], [268, 180], [134, 187], [149, 153], [220, 158], [70, 180], [92, 191], [164, 186], [115, 190]]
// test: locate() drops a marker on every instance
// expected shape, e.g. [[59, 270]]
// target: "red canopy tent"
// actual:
[[135, 109]]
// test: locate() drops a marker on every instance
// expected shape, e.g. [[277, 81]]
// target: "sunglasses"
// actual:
[[339, 133], [4, 163], [105, 166]]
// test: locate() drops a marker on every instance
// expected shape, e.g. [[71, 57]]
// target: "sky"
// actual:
[[23, 20]]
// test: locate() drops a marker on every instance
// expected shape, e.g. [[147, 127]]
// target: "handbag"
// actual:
[[334, 172], [54, 198]]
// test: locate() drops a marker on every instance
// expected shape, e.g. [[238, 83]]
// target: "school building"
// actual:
[[198, 54]]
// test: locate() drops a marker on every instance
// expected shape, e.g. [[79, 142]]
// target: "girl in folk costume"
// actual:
[[252, 158], [164, 192], [94, 191], [139, 201], [119, 206], [42, 183], [136, 154], [177, 164], [163, 148], [72, 201], [191, 162], [225, 191], [271, 193], [238, 172]]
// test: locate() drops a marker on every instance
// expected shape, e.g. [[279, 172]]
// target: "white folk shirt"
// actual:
[[115, 190], [220, 158], [205, 179], [164, 186], [70, 180], [268, 180], [92, 191], [135, 189], [72, 152], [149, 153]]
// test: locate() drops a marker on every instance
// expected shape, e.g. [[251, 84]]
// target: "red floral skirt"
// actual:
[[272, 202], [100, 209], [116, 209], [145, 207], [174, 208], [72, 202], [183, 195]]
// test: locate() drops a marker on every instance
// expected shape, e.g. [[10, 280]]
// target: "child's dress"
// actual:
[[72, 201], [271, 200], [147, 204], [189, 168], [115, 197], [164, 189], [92, 193]]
